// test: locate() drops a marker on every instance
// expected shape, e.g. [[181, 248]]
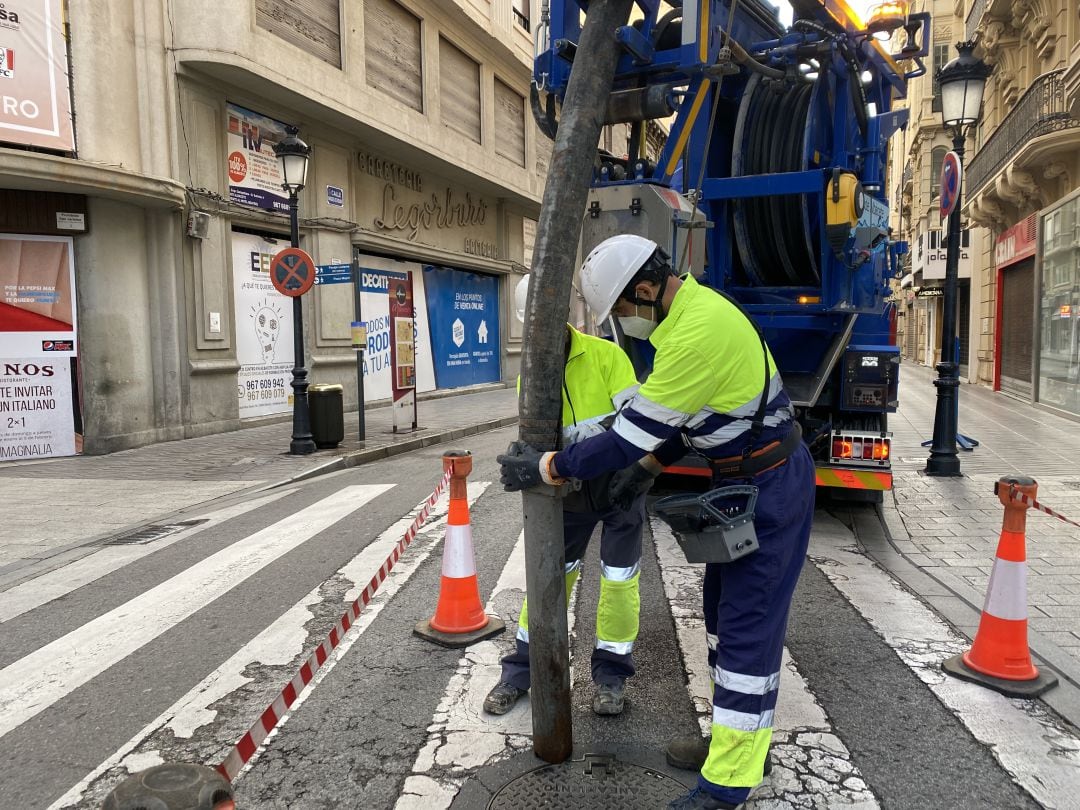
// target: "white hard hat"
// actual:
[[609, 267], [521, 292]]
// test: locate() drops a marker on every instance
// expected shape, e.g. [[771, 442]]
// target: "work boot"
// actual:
[[700, 799], [502, 698], [690, 753], [609, 698]]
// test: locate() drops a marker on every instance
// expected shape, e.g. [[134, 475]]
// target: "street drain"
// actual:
[[597, 780], [148, 534]]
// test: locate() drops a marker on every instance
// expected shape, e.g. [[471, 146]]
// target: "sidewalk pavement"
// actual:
[[944, 531], [56, 510]]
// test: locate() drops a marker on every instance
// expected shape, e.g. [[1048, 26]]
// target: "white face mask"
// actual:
[[638, 327]]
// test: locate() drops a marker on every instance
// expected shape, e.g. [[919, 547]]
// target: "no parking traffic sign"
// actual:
[[951, 175], [292, 272]]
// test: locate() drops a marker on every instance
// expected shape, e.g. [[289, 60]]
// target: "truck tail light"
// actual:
[[873, 449]]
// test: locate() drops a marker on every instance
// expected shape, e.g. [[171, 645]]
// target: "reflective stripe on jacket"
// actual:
[[707, 379]]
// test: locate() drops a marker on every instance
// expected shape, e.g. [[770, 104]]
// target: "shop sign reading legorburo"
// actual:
[[429, 210], [254, 170], [35, 97]]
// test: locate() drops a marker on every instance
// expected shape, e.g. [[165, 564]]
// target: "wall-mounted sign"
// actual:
[[1016, 243], [403, 353], [930, 292], [264, 329], [435, 211], [335, 196], [35, 97], [253, 168], [463, 310]]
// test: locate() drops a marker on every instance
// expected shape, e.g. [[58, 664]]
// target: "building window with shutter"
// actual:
[[313, 25], [521, 13], [937, 157], [941, 58], [459, 91], [509, 123], [393, 56]]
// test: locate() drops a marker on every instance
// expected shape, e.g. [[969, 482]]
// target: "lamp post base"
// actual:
[[301, 447], [944, 457]]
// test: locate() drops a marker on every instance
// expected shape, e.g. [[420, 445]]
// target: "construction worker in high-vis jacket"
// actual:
[[598, 379], [713, 387]]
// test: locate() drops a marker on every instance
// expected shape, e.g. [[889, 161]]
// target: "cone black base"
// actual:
[[1046, 680], [493, 628]]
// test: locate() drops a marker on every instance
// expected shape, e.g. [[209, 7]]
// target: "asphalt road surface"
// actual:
[[168, 650]]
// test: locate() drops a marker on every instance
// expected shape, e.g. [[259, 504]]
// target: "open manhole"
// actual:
[[148, 534], [597, 780]]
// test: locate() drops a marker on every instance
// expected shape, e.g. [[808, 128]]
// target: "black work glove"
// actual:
[[633, 481], [523, 467]]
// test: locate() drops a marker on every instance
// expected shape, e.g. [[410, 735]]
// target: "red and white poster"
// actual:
[[34, 88], [403, 353], [38, 392]]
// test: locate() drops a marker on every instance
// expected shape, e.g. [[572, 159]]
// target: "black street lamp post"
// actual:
[[293, 154], [962, 82]]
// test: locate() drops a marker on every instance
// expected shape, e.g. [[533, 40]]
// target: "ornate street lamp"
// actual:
[[962, 82], [293, 155]]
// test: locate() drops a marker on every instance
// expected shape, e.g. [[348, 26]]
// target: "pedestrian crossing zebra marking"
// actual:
[[37, 681], [279, 645], [63, 580]]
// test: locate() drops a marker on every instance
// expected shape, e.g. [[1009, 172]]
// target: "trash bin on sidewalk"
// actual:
[[326, 404]]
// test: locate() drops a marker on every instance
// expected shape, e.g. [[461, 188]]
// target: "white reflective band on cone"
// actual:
[[1006, 596], [457, 556]]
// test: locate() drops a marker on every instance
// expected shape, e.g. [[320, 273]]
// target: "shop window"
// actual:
[[1059, 310]]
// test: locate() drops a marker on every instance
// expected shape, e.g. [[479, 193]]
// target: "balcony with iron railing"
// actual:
[[1040, 111]]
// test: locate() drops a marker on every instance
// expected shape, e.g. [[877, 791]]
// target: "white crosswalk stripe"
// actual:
[[61, 581], [280, 644], [35, 682]]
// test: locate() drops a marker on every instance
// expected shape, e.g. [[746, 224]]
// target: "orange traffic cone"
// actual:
[[459, 618], [999, 657]]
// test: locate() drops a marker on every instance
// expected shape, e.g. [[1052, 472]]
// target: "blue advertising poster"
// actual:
[[463, 315]]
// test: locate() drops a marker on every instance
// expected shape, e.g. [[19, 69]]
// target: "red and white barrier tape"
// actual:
[[1016, 495], [245, 749]]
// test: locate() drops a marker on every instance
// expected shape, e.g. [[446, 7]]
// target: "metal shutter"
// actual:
[[392, 49], [1017, 306], [311, 25], [509, 124], [459, 91]]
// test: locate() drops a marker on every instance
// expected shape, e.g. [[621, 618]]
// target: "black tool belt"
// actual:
[[769, 456]]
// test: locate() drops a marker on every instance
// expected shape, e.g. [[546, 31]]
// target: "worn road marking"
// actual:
[[1042, 756], [36, 681], [812, 767], [60, 581], [281, 644]]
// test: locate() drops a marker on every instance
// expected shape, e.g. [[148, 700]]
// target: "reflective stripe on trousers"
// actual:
[[619, 604], [746, 606]]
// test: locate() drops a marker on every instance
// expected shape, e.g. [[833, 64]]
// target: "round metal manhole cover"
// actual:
[[589, 783]]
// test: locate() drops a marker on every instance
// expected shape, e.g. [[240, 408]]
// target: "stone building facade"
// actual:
[[135, 245]]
